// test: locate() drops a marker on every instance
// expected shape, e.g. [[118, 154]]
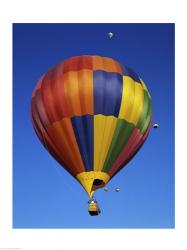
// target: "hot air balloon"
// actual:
[[110, 34], [117, 190], [155, 125], [92, 115]]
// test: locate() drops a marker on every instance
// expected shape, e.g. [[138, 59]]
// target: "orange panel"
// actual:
[[78, 92], [69, 95], [85, 79], [63, 159], [106, 64], [65, 141]]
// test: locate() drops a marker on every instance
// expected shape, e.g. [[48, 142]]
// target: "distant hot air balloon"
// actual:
[[110, 34], [155, 125], [92, 114], [117, 190]]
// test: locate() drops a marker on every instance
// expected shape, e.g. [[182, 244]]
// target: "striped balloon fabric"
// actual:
[[92, 114]]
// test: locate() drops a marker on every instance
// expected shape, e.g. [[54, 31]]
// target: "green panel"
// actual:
[[147, 119], [146, 113], [121, 135]]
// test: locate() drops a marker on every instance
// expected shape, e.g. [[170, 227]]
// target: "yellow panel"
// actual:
[[127, 98], [104, 127], [138, 104], [132, 100], [86, 179]]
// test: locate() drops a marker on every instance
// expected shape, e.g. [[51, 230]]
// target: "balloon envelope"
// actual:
[[92, 114]]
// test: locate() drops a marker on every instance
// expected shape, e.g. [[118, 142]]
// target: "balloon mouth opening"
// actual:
[[97, 183]]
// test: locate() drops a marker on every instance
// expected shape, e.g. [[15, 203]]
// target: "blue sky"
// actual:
[[44, 194]]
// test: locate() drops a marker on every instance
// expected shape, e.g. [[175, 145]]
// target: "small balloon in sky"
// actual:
[[155, 125], [110, 34], [117, 190]]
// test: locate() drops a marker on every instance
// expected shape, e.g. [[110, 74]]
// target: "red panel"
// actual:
[[135, 147], [73, 64], [54, 72], [38, 110], [54, 100], [77, 63]]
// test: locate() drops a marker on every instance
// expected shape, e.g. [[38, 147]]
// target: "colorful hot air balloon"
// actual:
[[92, 114]]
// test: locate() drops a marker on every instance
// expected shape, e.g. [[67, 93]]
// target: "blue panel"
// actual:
[[130, 72], [107, 92], [83, 129]]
